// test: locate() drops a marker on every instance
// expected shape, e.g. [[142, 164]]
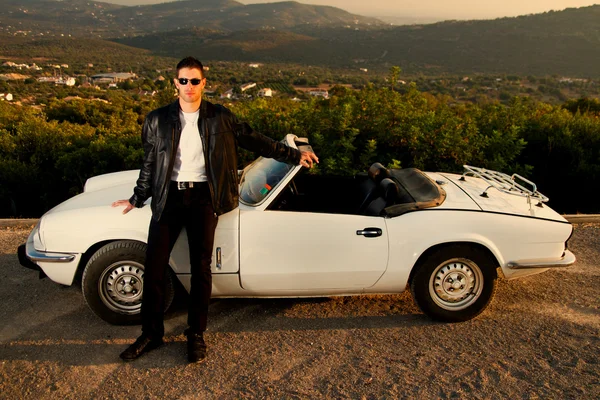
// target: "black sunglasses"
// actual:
[[194, 81]]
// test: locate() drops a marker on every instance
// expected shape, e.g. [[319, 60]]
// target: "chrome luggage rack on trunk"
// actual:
[[506, 183]]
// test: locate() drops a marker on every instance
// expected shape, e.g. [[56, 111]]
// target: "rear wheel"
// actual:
[[454, 283], [113, 282]]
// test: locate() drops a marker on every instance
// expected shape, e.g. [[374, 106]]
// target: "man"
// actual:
[[190, 170]]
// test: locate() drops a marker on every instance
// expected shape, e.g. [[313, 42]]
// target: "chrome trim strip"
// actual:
[[564, 261], [35, 255]]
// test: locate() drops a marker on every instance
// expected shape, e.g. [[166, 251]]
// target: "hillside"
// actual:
[[88, 18], [565, 42], [77, 51], [55, 18]]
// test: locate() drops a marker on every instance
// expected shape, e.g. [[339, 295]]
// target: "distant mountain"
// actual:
[[52, 17], [557, 42], [564, 42], [89, 18]]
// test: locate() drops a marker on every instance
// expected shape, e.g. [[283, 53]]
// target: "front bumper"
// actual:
[[59, 267], [27, 263]]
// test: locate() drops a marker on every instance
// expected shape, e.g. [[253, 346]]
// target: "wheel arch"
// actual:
[[85, 257], [472, 245], [88, 254]]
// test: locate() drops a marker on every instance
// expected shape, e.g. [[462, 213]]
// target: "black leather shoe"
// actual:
[[142, 345], [196, 348]]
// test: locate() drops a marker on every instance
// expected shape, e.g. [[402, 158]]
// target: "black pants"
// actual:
[[190, 208]]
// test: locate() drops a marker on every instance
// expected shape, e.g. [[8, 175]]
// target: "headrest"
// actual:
[[389, 189], [377, 172]]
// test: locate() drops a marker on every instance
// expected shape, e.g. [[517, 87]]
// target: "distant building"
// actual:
[[364, 70], [15, 65], [47, 79], [69, 81], [6, 96], [247, 86], [57, 80], [227, 95], [319, 93], [113, 77], [254, 65], [572, 80], [265, 92], [64, 65]]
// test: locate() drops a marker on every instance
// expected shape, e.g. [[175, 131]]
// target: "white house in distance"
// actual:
[[227, 95], [319, 93], [57, 80], [265, 92], [113, 77], [6, 96]]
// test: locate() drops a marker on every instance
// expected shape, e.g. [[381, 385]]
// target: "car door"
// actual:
[[300, 251]]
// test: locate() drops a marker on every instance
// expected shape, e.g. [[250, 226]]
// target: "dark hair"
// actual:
[[190, 62]]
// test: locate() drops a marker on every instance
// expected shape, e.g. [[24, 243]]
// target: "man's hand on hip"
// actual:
[[126, 203], [307, 158]]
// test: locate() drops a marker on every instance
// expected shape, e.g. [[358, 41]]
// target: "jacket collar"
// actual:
[[207, 110]]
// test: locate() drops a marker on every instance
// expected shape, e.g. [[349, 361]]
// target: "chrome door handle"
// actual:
[[219, 262], [370, 232]]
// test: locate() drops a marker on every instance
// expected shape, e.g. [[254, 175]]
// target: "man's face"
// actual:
[[190, 93]]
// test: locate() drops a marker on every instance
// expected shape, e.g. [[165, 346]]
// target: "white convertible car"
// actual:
[[446, 236]]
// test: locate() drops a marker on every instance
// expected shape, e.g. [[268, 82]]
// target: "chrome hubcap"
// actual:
[[456, 284], [121, 287]]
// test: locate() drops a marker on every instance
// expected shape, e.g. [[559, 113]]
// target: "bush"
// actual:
[[47, 157]]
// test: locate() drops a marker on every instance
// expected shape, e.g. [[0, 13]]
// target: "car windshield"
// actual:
[[261, 178]]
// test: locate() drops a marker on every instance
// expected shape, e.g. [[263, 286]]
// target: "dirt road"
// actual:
[[539, 339]]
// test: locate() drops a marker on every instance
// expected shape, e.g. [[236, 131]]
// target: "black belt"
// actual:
[[188, 185]]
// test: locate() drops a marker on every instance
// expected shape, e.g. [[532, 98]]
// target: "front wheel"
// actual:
[[113, 282], [454, 283]]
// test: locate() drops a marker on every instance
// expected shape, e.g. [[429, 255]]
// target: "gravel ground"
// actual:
[[538, 339]]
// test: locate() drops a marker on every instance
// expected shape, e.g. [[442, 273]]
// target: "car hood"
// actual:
[[101, 190], [497, 201], [109, 180]]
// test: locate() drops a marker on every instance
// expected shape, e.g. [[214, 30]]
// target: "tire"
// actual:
[[119, 265], [454, 284]]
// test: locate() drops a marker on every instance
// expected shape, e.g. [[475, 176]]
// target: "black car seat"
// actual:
[[388, 194], [367, 190]]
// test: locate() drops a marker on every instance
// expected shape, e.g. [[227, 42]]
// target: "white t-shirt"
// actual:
[[189, 163]]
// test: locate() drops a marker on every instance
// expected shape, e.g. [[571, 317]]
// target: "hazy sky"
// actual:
[[437, 9], [448, 9]]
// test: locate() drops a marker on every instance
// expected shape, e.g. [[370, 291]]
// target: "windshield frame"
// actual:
[[288, 140]]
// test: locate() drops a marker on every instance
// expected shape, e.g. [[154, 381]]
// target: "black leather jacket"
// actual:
[[221, 133]]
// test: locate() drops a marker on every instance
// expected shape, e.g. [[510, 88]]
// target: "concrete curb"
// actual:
[[30, 222]]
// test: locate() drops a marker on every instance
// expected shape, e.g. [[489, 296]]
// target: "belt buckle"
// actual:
[[181, 185]]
